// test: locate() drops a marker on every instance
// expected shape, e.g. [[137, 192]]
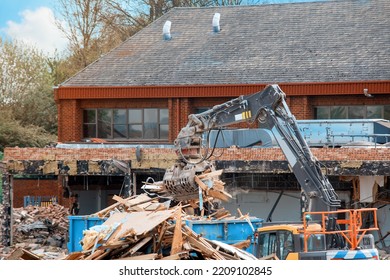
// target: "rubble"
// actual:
[[141, 227], [41, 231]]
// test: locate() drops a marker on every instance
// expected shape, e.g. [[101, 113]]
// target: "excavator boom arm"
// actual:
[[268, 107]]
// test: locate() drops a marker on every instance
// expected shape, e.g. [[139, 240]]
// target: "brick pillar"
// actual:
[[179, 109], [6, 225], [300, 107], [70, 120]]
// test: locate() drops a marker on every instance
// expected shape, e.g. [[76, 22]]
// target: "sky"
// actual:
[[32, 21]]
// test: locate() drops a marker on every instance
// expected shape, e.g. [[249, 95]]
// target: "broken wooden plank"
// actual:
[[178, 256], [222, 195], [211, 174], [74, 256], [242, 244], [23, 254], [177, 234], [138, 223], [119, 199], [270, 257], [95, 254], [152, 256], [102, 213], [224, 216], [138, 246], [201, 184]]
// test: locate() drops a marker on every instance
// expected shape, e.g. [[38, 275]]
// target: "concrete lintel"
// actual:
[[332, 168], [78, 167], [114, 167]]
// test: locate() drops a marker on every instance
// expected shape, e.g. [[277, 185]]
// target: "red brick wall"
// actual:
[[69, 120], [372, 154], [70, 111], [30, 187]]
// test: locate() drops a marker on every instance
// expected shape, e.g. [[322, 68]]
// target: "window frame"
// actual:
[[328, 110], [158, 124]]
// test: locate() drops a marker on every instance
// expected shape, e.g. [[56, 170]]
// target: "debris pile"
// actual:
[[384, 253], [204, 189], [41, 230], [142, 228]]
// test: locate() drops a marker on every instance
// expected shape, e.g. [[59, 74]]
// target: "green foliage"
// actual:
[[28, 116], [1, 180], [13, 133]]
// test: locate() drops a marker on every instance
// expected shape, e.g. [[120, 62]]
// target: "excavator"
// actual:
[[320, 234]]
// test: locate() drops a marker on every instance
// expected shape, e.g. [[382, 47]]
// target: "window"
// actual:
[[147, 124], [356, 112], [374, 112], [315, 242], [386, 113], [104, 123], [322, 112], [201, 110], [267, 244], [278, 242], [89, 127], [120, 124], [353, 112], [338, 112]]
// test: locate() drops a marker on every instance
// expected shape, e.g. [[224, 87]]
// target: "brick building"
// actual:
[[330, 58]]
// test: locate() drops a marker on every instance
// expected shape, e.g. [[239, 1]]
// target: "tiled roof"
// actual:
[[278, 43]]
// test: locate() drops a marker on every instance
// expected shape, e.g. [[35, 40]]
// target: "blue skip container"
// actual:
[[227, 231], [77, 224]]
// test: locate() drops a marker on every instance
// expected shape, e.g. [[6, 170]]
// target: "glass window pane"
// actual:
[[150, 115], [89, 130], [150, 131], [120, 131], [135, 116], [164, 131], [338, 112], [164, 116], [90, 116], [104, 123], [356, 112], [119, 116], [200, 110], [386, 112], [135, 131], [321, 113], [104, 130], [374, 112], [104, 115]]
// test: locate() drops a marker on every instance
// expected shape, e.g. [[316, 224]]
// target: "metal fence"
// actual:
[[42, 201]]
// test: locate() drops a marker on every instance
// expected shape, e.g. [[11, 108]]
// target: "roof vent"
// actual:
[[216, 27], [167, 30]]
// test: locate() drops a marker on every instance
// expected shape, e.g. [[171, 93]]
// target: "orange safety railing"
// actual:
[[353, 232]]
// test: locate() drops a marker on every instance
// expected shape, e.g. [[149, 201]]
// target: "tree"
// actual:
[[1, 181], [12, 133], [80, 22], [26, 98]]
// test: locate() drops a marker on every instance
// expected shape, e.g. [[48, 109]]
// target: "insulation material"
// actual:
[[367, 184]]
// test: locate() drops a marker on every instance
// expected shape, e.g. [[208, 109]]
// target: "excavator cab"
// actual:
[[287, 243], [310, 240]]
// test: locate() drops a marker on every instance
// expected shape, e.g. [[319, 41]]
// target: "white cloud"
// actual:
[[37, 28]]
